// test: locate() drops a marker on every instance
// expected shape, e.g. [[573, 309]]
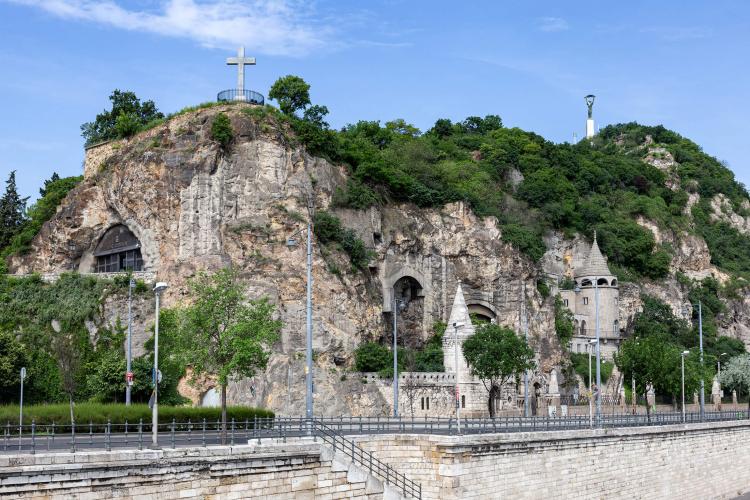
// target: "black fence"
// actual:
[[235, 95]]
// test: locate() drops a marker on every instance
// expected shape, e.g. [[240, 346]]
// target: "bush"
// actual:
[[328, 229], [119, 413], [372, 357], [221, 130]]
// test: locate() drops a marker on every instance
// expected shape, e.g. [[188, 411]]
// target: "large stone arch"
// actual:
[[402, 272]]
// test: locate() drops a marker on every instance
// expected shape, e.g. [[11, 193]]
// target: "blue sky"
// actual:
[[683, 64]]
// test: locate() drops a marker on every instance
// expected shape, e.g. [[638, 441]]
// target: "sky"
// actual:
[[683, 64]]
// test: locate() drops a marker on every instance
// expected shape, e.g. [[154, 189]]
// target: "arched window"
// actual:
[[616, 327], [614, 282], [585, 283], [463, 401], [583, 328], [118, 250], [602, 282]]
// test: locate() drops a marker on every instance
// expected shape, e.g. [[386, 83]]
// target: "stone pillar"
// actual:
[[716, 394], [734, 399], [650, 397], [553, 392]]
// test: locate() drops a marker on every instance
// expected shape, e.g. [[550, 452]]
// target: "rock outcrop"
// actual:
[[196, 206]]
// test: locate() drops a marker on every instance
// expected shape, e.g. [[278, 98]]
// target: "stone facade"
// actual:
[[291, 471], [694, 461]]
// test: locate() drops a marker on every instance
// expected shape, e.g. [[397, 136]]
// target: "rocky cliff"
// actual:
[[195, 205]]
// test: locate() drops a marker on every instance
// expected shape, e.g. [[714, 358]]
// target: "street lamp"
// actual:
[[718, 374], [158, 289], [456, 326], [128, 372], [291, 242], [700, 341], [398, 305], [682, 358], [591, 393]]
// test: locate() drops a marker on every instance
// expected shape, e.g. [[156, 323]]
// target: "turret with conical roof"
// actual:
[[595, 265]]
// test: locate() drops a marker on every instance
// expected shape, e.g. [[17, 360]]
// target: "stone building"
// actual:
[[595, 287]]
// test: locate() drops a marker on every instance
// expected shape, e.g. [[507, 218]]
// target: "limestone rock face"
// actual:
[[195, 206]]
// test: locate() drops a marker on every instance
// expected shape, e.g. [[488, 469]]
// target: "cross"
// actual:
[[240, 61]]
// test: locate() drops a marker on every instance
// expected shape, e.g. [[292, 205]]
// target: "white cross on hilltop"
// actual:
[[241, 61]]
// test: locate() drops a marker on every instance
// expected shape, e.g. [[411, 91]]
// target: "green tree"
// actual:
[[221, 130], [372, 357], [223, 334], [736, 374], [292, 94], [12, 211], [51, 180], [495, 354], [563, 322], [12, 358], [127, 116]]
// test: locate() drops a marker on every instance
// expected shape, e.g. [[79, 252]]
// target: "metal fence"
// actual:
[[234, 95]]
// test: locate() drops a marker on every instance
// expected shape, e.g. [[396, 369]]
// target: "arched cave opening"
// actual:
[[410, 303], [118, 250]]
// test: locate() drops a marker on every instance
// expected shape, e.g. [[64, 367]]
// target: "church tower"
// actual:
[[594, 283]]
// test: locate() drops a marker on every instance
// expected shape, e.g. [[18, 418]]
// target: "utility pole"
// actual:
[[158, 289], [128, 371], [525, 320], [395, 354], [598, 358]]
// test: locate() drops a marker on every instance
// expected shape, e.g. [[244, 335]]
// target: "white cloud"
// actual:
[[274, 27], [551, 24]]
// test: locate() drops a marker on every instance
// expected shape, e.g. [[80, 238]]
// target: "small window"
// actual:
[[428, 403], [423, 403], [565, 302], [463, 401], [585, 301]]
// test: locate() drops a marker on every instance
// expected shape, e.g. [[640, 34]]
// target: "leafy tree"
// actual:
[[127, 116], [51, 180], [372, 357], [223, 334], [12, 358], [221, 130], [292, 94], [736, 374], [563, 322], [12, 211], [66, 348], [40, 212], [495, 354]]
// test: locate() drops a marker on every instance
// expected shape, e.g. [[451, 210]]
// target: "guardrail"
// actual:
[[235, 95]]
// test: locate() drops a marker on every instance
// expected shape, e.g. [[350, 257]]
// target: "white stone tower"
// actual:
[[590, 130], [594, 276], [464, 329]]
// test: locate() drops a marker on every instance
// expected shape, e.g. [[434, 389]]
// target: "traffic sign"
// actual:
[[129, 378]]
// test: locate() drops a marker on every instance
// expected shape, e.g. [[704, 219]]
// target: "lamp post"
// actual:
[[291, 242], [158, 289], [589, 346], [682, 358], [700, 341], [398, 304], [128, 372], [525, 320], [598, 357], [456, 326]]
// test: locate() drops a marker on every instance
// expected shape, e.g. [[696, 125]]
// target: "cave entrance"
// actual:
[[410, 306], [118, 250], [480, 313]]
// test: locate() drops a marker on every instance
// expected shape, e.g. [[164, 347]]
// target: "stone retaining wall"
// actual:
[[299, 471], [696, 461]]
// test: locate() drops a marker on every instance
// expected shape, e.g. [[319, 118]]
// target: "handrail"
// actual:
[[241, 95], [366, 459]]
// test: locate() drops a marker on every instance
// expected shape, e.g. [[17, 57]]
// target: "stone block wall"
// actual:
[[696, 461], [289, 471]]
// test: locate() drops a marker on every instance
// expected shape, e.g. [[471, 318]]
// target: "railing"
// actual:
[[234, 95], [366, 459]]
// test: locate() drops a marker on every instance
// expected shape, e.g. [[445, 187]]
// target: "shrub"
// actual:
[[221, 130], [372, 357], [328, 229], [97, 413]]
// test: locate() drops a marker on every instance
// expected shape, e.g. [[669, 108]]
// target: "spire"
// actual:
[[596, 264], [460, 314]]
